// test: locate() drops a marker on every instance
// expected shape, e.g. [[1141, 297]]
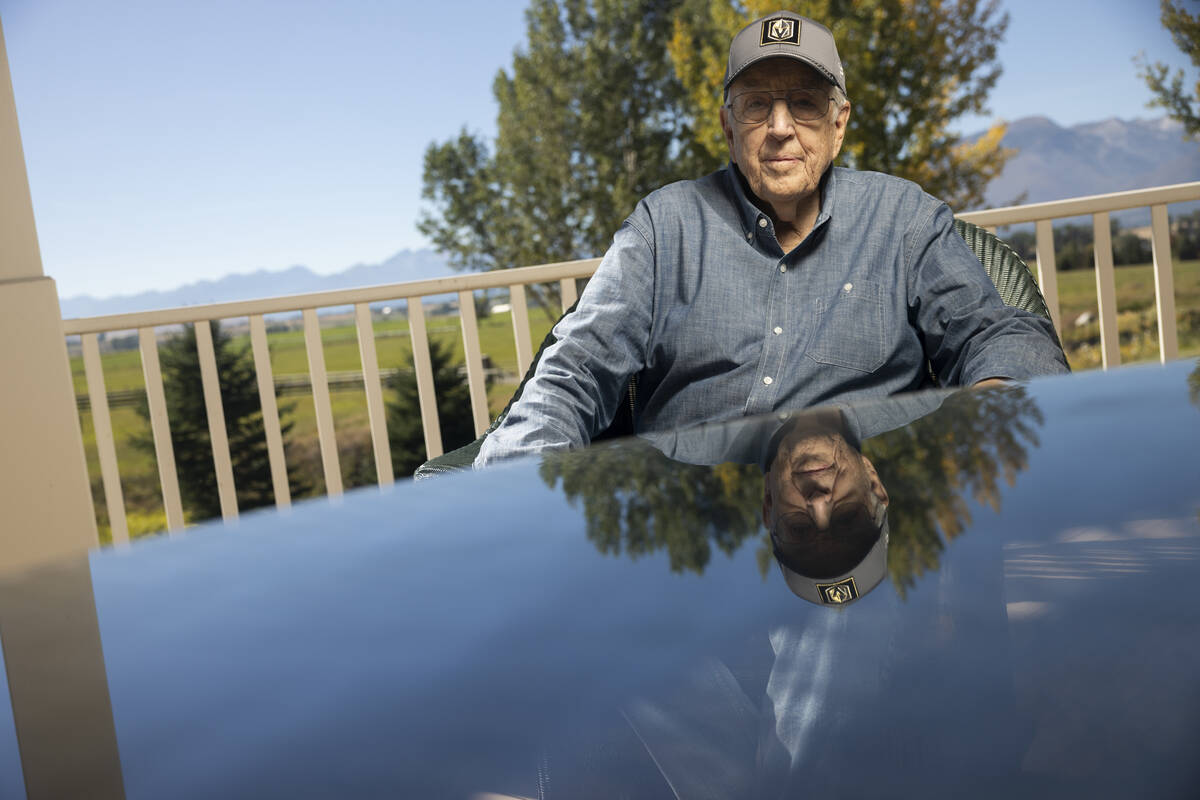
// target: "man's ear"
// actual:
[[876, 485], [840, 122], [727, 129]]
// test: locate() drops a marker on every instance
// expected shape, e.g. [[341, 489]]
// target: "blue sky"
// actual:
[[169, 141]]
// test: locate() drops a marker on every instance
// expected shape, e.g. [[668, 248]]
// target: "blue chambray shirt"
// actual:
[[697, 299]]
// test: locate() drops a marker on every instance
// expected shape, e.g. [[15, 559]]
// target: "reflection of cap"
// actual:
[[790, 35], [844, 589]]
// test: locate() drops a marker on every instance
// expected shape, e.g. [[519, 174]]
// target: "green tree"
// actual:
[[184, 391], [590, 121], [405, 432], [1181, 102], [637, 501], [913, 67], [931, 466]]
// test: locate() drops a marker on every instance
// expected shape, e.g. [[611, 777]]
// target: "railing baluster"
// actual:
[[1164, 283], [105, 448], [270, 411], [324, 410], [226, 491], [569, 293], [474, 358], [426, 396], [160, 426], [520, 321], [1106, 291], [1048, 271], [375, 411]]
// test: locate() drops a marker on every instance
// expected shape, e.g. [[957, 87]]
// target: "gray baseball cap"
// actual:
[[787, 34], [844, 589]]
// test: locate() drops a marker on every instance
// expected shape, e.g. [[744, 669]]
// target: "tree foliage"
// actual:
[[588, 124], [1181, 102], [405, 431], [933, 465], [184, 391], [912, 68], [637, 501], [611, 99]]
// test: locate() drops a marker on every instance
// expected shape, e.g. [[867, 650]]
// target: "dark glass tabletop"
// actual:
[[979, 593]]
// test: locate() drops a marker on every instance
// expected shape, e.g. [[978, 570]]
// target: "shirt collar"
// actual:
[[751, 213]]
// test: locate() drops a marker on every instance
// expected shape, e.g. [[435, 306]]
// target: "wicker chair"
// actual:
[[1011, 275]]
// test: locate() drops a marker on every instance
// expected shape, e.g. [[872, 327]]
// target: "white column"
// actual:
[[44, 488]]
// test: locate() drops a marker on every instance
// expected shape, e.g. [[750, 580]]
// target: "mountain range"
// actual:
[[406, 265], [1053, 162]]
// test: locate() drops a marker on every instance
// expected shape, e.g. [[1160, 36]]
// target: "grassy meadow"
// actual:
[[139, 475]]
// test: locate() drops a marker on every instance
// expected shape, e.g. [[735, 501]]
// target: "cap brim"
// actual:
[[844, 589]]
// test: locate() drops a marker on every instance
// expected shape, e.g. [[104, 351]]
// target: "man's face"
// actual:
[[783, 160], [815, 474]]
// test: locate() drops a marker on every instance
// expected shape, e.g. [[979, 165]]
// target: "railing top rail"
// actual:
[[543, 273], [1079, 206]]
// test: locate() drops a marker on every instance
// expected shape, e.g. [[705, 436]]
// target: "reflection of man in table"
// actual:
[[836, 684], [825, 509], [776, 282]]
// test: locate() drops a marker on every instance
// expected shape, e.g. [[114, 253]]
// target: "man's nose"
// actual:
[[820, 508], [817, 491], [780, 123]]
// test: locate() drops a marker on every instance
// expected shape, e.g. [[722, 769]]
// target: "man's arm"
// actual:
[[581, 378], [968, 333]]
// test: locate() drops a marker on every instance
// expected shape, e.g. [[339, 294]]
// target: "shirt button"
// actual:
[[749, 235], [762, 222], [778, 330], [783, 268], [768, 380], [847, 287]]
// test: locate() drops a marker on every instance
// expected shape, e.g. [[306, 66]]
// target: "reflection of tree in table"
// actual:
[[1194, 384], [637, 501], [932, 466]]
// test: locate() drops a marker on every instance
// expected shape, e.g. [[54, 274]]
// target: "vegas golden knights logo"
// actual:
[[836, 594], [780, 30]]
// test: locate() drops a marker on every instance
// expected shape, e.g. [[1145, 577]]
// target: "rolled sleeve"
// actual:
[[581, 378], [969, 334]]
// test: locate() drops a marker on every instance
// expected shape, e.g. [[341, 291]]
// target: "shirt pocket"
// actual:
[[848, 327]]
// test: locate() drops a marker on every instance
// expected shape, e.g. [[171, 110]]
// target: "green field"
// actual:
[[139, 470], [139, 476]]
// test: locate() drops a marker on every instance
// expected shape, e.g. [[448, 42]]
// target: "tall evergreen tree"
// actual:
[[912, 68], [405, 432], [590, 121], [610, 100], [188, 417]]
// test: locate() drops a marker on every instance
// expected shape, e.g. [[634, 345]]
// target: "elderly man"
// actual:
[[777, 282]]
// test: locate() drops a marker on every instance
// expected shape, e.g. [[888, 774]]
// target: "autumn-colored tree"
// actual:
[[912, 68]]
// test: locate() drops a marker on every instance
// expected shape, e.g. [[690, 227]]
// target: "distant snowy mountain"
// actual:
[[407, 265], [1112, 155]]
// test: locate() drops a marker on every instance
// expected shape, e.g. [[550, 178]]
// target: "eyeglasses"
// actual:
[[805, 105]]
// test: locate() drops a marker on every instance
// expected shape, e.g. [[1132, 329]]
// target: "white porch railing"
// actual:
[[515, 280]]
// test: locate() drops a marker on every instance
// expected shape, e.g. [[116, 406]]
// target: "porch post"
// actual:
[[45, 499]]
